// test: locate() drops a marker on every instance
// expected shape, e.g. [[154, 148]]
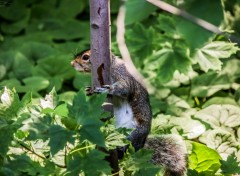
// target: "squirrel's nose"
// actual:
[[72, 62]]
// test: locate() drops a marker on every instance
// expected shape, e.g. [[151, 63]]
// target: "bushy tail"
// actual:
[[169, 152]]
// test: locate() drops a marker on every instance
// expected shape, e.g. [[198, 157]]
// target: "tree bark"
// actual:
[[100, 42], [101, 57]]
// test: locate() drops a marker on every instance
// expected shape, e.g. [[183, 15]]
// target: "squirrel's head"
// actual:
[[82, 62]]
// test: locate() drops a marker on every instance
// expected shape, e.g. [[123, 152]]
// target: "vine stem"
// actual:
[[22, 144]]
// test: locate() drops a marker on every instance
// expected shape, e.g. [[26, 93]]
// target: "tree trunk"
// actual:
[[100, 41], [101, 57]]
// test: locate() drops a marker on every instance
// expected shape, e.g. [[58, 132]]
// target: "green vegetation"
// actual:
[[49, 127]]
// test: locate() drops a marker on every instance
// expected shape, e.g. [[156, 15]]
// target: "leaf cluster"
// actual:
[[195, 75], [52, 134]]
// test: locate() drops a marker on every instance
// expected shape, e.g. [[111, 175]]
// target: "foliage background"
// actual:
[[195, 75]]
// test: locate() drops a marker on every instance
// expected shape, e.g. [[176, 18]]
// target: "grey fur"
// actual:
[[168, 151], [128, 94]]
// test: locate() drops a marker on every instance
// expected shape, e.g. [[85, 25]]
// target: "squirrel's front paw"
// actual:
[[89, 90], [101, 90]]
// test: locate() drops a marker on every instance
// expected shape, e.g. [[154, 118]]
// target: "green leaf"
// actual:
[[6, 98], [90, 130], [203, 159], [81, 80], [7, 58], [209, 83], [166, 24], [221, 140], [67, 96], [6, 136], [220, 101], [10, 104], [74, 8], [38, 127], [3, 71], [61, 110], [133, 9], [36, 50], [230, 166], [50, 10], [79, 106], [231, 68], [195, 35], [16, 27], [87, 115], [114, 138], [166, 61], [59, 137], [24, 164], [220, 115], [208, 56], [19, 66], [138, 162], [13, 83], [70, 123], [190, 128], [14, 12], [94, 159], [48, 67], [142, 40], [36, 83]]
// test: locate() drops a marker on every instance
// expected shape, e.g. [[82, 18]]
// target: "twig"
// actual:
[[125, 52], [200, 22], [171, 9]]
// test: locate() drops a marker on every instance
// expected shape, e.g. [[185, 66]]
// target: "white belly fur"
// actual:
[[124, 115]]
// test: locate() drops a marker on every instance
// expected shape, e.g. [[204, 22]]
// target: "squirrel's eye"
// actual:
[[85, 57]]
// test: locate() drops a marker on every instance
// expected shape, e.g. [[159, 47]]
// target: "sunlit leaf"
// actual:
[[10, 104], [6, 98], [208, 56], [50, 100], [220, 115], [221, 140], [203, 159]]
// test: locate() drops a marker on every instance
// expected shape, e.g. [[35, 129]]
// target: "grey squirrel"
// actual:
[[132, 110]]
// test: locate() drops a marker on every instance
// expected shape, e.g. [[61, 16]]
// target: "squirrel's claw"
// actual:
[[89, 90], [107, 87]]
